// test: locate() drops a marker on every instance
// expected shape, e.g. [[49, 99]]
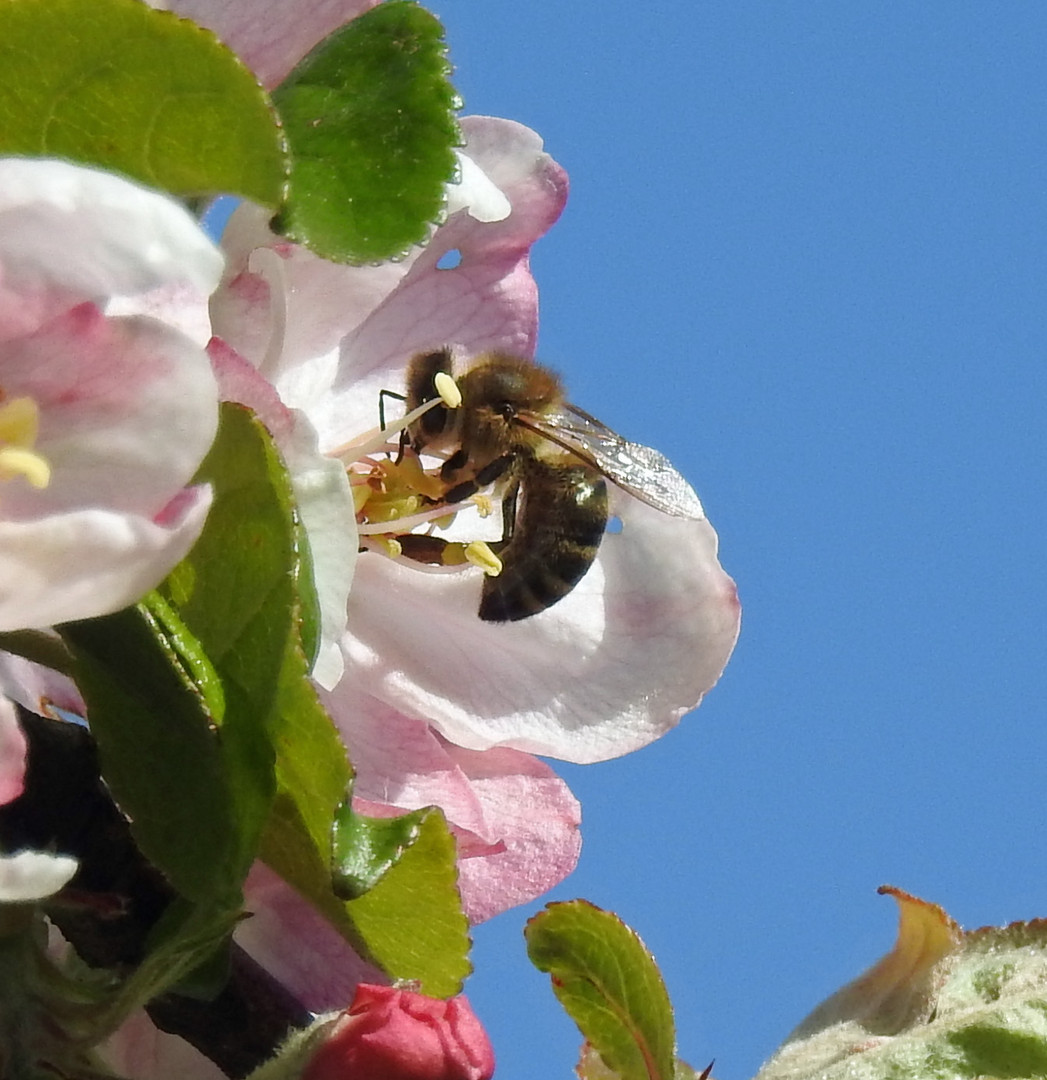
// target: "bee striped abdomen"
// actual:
[[558, 530]]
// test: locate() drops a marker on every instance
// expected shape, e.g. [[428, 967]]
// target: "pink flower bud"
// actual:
[[389, 1034]]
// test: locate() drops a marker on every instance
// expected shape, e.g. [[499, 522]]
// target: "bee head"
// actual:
[[508, 386], [495, 391]]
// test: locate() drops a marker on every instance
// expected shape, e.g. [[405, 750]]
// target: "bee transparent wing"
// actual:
[[640, 470]]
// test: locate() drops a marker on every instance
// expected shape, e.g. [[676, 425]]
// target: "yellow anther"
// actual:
[[410, 476], [19, 421], [361, 495], [480, 554], [390, 546], [15, 461], [392, 507], [484, 505], [19, 425], [448, 390]]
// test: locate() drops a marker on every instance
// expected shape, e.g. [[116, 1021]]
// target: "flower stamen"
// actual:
[[377, 439], [480, 554], [19, 427], [394, 496]]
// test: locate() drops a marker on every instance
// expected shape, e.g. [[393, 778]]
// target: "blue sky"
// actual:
[[805, 255]]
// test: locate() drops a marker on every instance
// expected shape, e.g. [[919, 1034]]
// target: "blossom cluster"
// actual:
[[124, 327]]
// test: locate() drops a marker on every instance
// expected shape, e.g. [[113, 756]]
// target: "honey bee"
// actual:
[[549, 460]]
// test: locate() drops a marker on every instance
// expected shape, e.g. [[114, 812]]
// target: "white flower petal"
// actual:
[[95, 234], [33, 875], [179, 305], [90, 562], [609, 668], [325, 503], [476, 193]]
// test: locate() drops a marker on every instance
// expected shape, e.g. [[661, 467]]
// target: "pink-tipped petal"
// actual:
[[89, 562], [12, 753]]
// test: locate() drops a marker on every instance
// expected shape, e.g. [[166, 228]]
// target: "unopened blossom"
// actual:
[[103, 420], [390, 1034]]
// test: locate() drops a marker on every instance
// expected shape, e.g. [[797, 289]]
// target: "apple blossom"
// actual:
[[291, 315], [390, 1034], [647, 631], [103, 421]]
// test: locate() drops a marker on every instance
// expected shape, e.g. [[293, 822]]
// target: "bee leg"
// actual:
[[509, 513], [487, 475], [458, 460], [382, 395]]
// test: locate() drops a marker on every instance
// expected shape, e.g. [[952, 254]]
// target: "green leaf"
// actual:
[[313, 776], [238, 593], [369, 117], [410, 924], [116, 84], [610, 986], [412, 920], [239, 586], [312, 771], [365, 848], [158, 752]]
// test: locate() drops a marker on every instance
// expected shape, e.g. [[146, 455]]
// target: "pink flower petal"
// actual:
[[342, 334], [537, 819], [270, 36], [516, 821], [12, 753], [128, 408], [37, 688], [297, 945], [141, 1050]]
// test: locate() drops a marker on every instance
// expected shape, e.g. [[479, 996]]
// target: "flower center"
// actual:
[[395, 494], [19, 426]]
